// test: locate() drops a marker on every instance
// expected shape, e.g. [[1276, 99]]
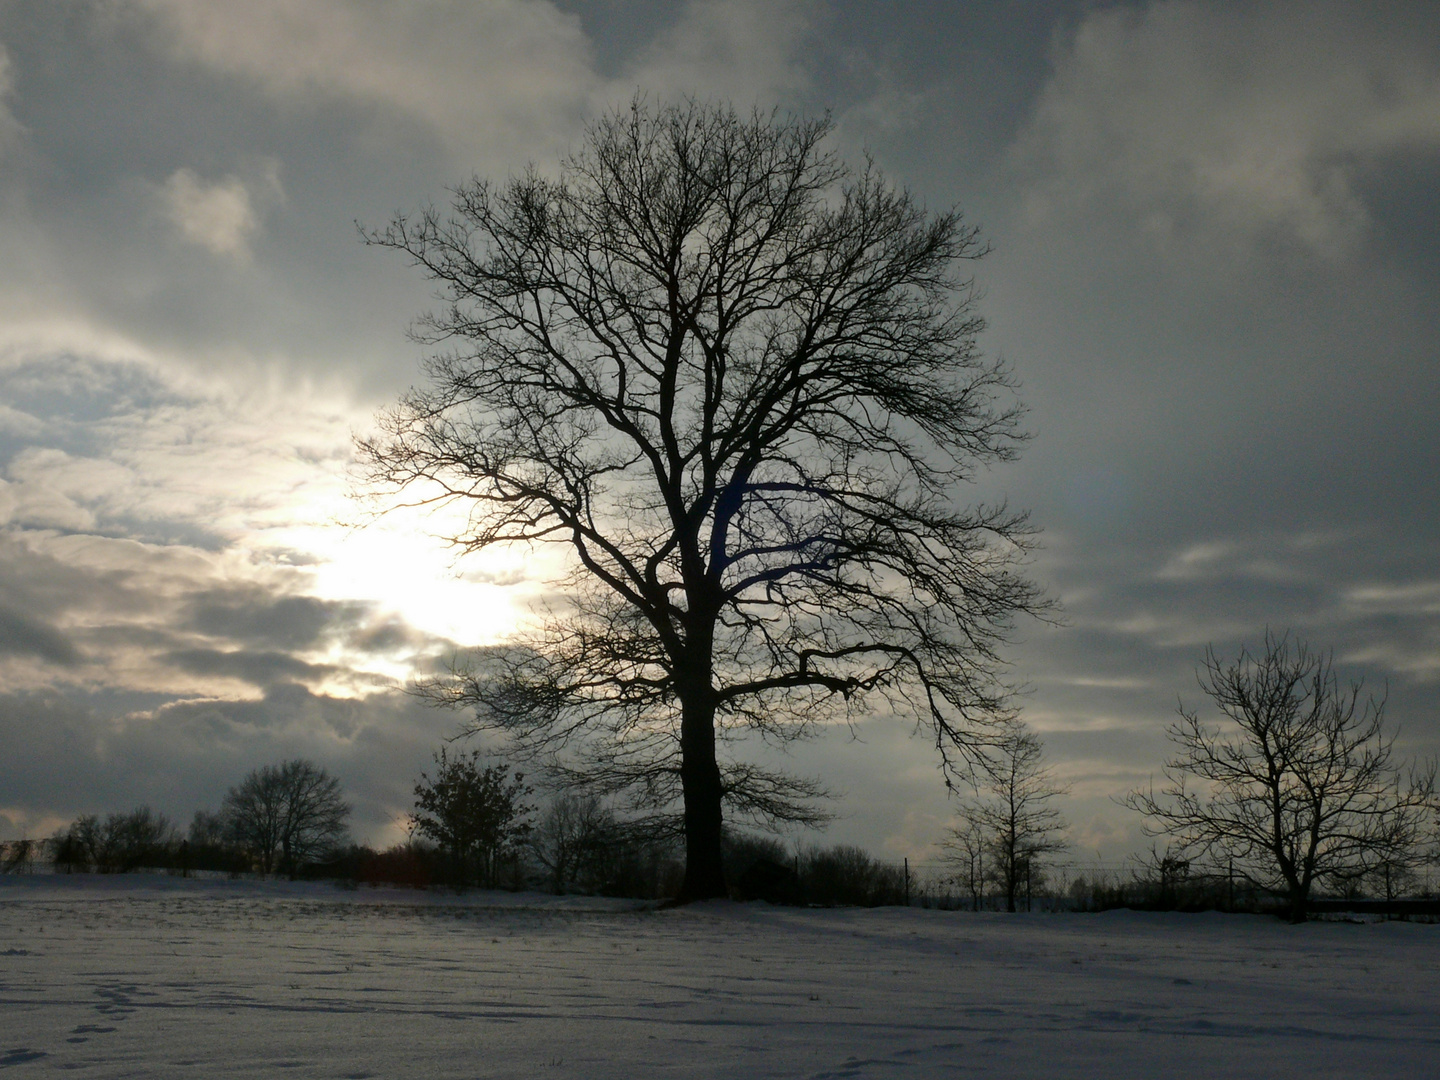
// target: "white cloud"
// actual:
[[53, 488], [1412, 598], [1199, 560], [1102, 833], [221, 216], [240, 484], [489, 79], [1272, 558], [1196, 118], [496, 82], [1417, 660], [17, 423], [740, 50]]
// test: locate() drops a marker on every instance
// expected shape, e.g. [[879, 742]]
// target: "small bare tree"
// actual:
[[571, 839], [285, 815], [965, 850], [1012, 817], [16, 856], [207, 830], [1297, 786]]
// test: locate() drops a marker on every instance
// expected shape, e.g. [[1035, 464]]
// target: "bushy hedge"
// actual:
[[613, 858], [761, 868], [116, 843]]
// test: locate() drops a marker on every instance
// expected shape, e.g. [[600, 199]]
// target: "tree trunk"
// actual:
[[1299, 901], [700, 780], [1299, 895], [1299, 907]]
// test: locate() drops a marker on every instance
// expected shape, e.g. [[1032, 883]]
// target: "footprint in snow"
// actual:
[[18, 1055], [118, 1002], [81, 1033]]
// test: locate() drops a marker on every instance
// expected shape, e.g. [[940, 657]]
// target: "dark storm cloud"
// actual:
[[265, 668], [253, 615], [21, 635], [393, 634], [88, 580], [45, 586], [135, 615], [257, 619]]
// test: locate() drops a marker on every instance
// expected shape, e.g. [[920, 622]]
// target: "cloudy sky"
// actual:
[[1216, 272]]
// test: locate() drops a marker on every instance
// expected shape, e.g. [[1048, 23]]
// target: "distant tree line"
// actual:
[[278, 819], [474, 823], [480, 824], [1300, 800]]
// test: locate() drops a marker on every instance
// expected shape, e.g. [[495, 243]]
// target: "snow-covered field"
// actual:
[[157, 976]]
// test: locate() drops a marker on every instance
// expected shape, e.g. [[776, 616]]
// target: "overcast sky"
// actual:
[[1216, 273]]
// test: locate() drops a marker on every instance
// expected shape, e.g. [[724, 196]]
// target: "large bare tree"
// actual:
[[1297, 785], [738, 382]]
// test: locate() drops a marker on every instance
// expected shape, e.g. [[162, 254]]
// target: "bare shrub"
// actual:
[[847, 876]]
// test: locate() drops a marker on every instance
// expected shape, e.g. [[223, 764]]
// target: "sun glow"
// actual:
[[401, 568], [292, 460], [418, 600]]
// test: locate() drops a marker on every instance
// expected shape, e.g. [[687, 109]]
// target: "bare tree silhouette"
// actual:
[[1297, 785], [284, 815], [1013, 819], [118, 842], [738, 382]]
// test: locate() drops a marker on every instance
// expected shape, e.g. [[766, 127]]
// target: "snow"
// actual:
[[157, 976]]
